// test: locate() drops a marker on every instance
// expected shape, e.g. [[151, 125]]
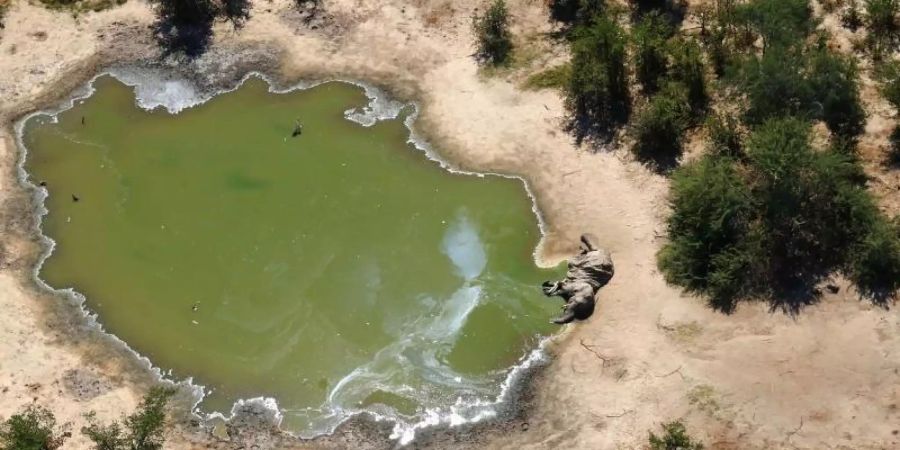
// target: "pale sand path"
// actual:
[[828, 379]]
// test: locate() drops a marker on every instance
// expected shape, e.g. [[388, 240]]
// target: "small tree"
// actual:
[[493, 40], [576, 12], [659, 127], [834, 79], [875, 261], [894, 148], [882, 25], [687, 68], [143, 430], [597, 94], [709, 250], [32, 429], [888, 74], [777, 22], [236, 11], [186, 25], [674, 437], [724, 136], [651, 55]]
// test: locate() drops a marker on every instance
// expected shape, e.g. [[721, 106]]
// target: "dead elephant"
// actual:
[[588, 271]]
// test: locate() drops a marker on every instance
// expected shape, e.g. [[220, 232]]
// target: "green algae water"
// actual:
[[335, 272]]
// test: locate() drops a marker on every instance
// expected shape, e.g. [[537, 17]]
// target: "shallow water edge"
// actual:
[[165, 88]]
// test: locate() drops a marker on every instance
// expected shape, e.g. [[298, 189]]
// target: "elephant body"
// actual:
[[589, 270]]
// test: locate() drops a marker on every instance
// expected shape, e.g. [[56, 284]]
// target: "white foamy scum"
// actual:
[[424, 340], [380, 107], [464, 247], [155, 88]]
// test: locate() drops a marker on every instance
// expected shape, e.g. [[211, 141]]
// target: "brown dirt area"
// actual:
[[827, 378]]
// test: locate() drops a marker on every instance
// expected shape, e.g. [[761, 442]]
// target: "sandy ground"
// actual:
[[828, 378]]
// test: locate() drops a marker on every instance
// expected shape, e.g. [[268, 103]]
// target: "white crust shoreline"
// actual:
[[649, 354], [380, 107]]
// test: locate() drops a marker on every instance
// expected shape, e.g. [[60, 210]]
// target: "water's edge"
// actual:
[[163, 88]]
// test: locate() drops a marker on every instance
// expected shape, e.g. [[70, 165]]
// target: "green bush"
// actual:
[[674, 437], [185, 26], [650, 53], [777, 22], [813, 83], [774, 224], [811, 210], [774, 85], [711, 209], [888, 74], [724, 136], [493, 39], [894, 148], [32, 429], [658, 127], [834, 79], [143, 430], [597, 93], [687, 68], [882, 25], [875, 262], [576, 12]]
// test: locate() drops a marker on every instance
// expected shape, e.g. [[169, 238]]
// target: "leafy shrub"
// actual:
[[888, 74], [143, 430], [875, 262], [724, 136], [675, 437], [775, 223], [576, 12], [817, 84], [687, 68], [186, 25], [711, 209], [811, 209], [894, 149], [651, 55], [671, 10], [597, 93], [493, 40], [777, 22], [32, 429], [236, 11], [881, 23], [834, 79], [658, 128]]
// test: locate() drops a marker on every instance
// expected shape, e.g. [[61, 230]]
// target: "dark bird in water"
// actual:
[[196, 307], [82, 120], [42, 184], [75, 198], [298, 129]]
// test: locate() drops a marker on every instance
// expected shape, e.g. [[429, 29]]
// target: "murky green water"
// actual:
[[335, 271]]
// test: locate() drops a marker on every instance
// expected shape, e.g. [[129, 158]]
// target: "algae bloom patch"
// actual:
[[335, 271]]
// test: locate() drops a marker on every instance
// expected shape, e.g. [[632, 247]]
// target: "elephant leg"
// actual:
[[566, 317]]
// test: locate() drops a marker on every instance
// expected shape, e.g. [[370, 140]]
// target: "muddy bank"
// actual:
[[649, 354], [176, 85]]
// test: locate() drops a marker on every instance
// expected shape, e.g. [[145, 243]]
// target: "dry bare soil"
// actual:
[[826, 378]]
